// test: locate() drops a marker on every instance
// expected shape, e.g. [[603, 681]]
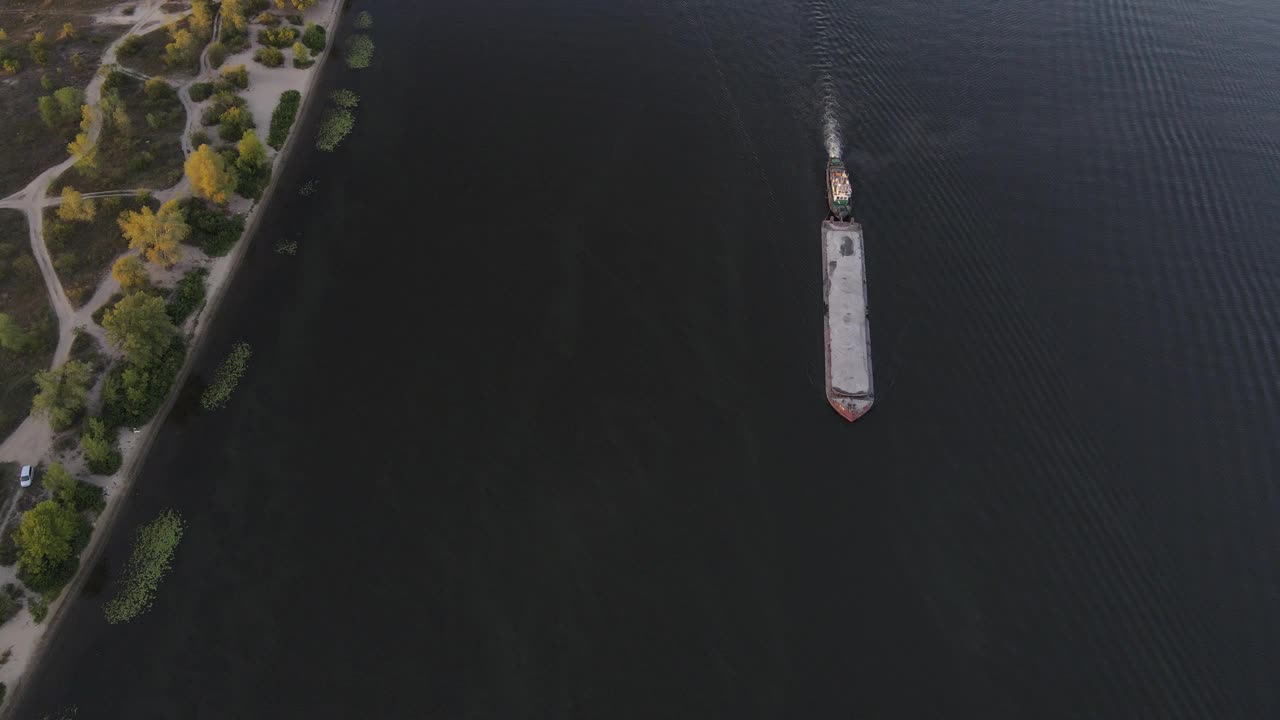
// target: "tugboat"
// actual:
[[839, 191]]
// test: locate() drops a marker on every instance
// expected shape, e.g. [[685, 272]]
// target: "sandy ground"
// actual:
[[33, 440]]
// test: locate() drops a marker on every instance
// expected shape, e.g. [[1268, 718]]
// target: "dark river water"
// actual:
[[535, 425]]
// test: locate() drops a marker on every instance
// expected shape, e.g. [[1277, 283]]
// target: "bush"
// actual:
[[313, 37], [359, 52], [295, 20], [266, 18], [278, 38], [131, 394], [236, 75], [335, 126], [153, 550], [302, 56], [39, 608], [282, 117], [99, 448], [227, 377], [187, 297], [129, 46], [199, 137], [9, 607], [269, 57], [234, 122], [201, 91], [364, 20], [345, 99], [212, 230], [218, 54]]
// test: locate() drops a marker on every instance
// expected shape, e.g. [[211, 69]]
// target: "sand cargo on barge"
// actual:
[[847, 330]]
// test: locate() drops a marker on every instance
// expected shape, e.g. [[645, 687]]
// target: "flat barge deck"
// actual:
[[847, 330]]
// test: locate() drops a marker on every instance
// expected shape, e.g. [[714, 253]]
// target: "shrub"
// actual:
[[227, 377], [39, 609], [302, 57], [278, 38], [269, 57], [313, 37], [336, 125], [364, 20], [295, 20], [9, 606], [159, 92], [345, 99], [99, 449], [237, 75], [199, 137], [266, 18], [131, 394], [153, 550], [201, 91], [217, 54], [212, 230], [234, 122], [359, 52], [187, 297], [282, 117]]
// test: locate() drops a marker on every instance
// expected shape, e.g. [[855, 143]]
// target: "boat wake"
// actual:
[[831, 128]]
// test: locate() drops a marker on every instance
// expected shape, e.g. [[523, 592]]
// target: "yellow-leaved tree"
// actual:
[[298, 5], [131, 273], [74, 207], [209, 174], [157, 234]]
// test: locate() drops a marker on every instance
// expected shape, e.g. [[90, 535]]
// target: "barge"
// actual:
[[847, 330]]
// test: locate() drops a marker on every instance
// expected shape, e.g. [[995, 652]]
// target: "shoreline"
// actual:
[[135, 456]]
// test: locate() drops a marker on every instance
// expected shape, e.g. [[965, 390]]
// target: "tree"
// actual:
[[183, 49], [201, 15], [140, 327], [60, 484], [131, 273], [48, 535], [62, 107], [74, 207], [253, 156], [299, 5], [301, 56], [12, 337], [209, 174], [157, 234], [68, 31], [233, 12], [39, 49], [61, 394], [84, 151], [99, 451], [49, 110]]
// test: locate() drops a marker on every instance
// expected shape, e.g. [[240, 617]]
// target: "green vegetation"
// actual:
[[364, 20], [295, 20], [62, 108], [9, 606], [269, 57], [70, 492], [129, 47], [99, 448], [28, 333], [39, 609], [345, 99], [234, 122], [278, 37], [282, 117], [213, 230], [200, 91], [62, 393], [174, 47], [153, 550], [223, 102], [140, 326], [211, 176], [313, 37], [336, 124], [156, 235], [139, 144], [359, 52], [253, 170], [218, 54], [132, 393], [302, 57], [82, 251], [50, 536], [237, 75], [227, 377], [187, 297]]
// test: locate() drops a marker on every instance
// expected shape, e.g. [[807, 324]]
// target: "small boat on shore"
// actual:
[[839, 190]]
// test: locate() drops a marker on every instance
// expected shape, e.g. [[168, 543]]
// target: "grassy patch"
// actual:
[[148, 156], [83, 252], [23, 297]]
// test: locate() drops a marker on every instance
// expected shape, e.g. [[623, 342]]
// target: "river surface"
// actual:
[[535, 426]]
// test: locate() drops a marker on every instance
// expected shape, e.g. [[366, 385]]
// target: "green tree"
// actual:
[[233, 13], [253, 156], [48, 536], [157, 234], [39, 49], [61, 393], [298, 5], [74, 207], [301, 56], [202, 16], [131, 273], [183, 50], [62, 107], [99, 451], [140, 327], [60, 484], [209, 174], [12, 337]]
